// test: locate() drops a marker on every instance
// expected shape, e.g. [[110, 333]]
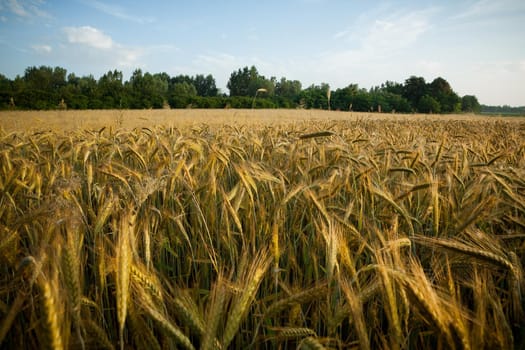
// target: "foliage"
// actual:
[[315, 96], [448, 100], [414, 89], [428, 104], [205, 85], [288, 89], [470, 104], [246, 82], [502, 110], [45, 87]]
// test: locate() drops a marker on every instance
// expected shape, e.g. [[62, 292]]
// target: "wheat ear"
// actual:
[[253, 278]]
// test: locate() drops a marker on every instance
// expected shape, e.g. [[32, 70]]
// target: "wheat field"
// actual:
[[261, 230]]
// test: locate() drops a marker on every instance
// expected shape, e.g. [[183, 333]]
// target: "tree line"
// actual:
[[505, 109], [42, 88]]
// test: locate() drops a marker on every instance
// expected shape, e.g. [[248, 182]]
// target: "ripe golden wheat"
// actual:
[[335, 234]]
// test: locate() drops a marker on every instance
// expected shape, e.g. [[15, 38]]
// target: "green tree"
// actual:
[[89, 88], [146, 90], [315, 96], [399, 103], [342, 98], [111, 89], [41, 87], [428, 104], [393, 88], [205, 85], [470, 104], [6, 92], [442, 92], [287, 92], [352, 98], [414, 89], [239, 82], [72, 94], [246, 82], [181, 94], [362, 101]]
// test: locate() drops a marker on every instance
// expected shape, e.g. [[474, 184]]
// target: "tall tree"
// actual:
[[393, 87], [41, 88], [111, 89], [315, 96], [289, 89], [442, 92], [6, 92], [205, 85], [239, 82], [246, 82], [414, 89], [89, 88], [181, 94], [147, 91], [428, 104], [470, 104]]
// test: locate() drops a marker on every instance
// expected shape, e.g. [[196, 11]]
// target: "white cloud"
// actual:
[[342, 34], [42, 49], [128, 57], [219, 60], [384, 32], [89, 36], [118, 12], [490, 8], [25, 8], [17, 8], [94, 47], [378, 46], [396, 33]]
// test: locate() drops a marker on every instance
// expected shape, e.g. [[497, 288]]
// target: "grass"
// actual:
[[261, 229]]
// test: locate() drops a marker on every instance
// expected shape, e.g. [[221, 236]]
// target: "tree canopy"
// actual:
[[52, 88]]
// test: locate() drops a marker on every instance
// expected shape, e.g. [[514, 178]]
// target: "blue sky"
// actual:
[[477, 45]]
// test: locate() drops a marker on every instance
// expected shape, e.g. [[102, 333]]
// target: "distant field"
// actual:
[[266, 229], [129, 119]]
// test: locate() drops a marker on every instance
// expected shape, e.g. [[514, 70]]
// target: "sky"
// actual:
[[478, 46]]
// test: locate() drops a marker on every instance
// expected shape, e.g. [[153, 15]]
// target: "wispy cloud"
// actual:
[[381, 31], [376, 47], [118, 12], [489, 8], [42, 49], [221, 61], [25, 8], [397, 32]]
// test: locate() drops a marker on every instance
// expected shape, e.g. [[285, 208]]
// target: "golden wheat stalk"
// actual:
[[123, 269], [213, 317], [97, 335], [167, 325], [252, 278], [50, 309], [358, 316]]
